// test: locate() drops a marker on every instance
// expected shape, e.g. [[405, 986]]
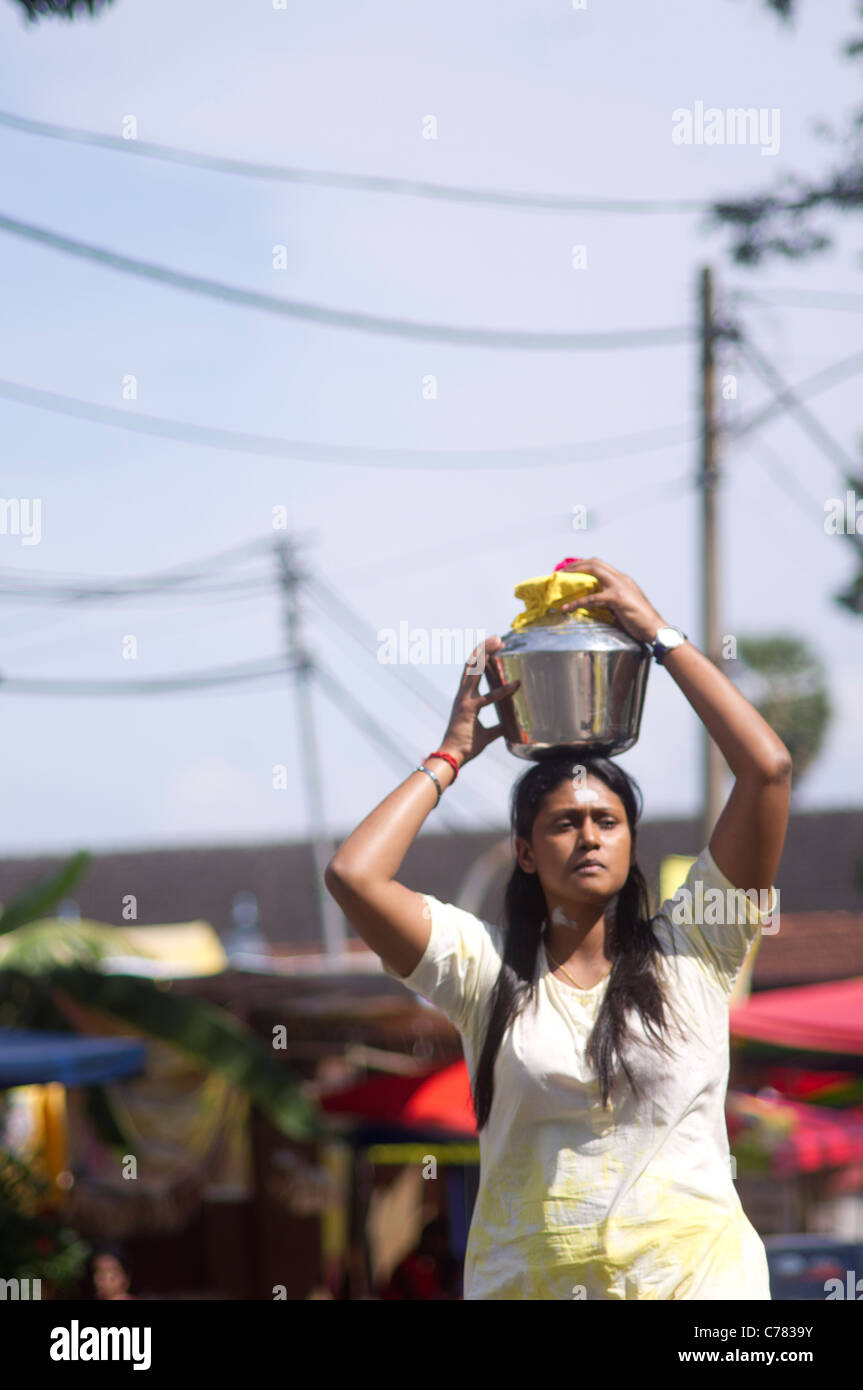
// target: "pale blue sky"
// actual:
[[533, 97]]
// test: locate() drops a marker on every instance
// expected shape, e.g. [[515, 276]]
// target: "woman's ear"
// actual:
[[524, 855]]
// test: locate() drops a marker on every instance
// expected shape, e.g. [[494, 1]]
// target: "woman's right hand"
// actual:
[[465, 737]]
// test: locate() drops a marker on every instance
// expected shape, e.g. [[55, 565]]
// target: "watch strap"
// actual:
[[660, 651]]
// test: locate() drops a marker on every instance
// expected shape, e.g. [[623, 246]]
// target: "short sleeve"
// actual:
[[711, 920], [460, 965]]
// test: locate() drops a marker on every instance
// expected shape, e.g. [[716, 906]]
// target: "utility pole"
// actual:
[[714, 767], [331, 921]]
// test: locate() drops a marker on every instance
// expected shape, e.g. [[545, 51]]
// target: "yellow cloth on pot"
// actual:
[[548, 590]]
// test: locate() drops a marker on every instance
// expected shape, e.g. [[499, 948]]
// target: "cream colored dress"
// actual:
[[634, 1202]]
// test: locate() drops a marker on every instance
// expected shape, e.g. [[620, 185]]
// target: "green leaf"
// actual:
[[26, 1002], [205, 1032], [34, 1243], [37, 901], [35, 9], [101, 1116], [43, 946], [786, 682]]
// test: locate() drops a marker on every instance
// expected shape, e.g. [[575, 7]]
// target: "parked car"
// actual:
[[801, 1265]]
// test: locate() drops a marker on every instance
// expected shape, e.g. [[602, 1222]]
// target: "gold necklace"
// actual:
[[558, 966]]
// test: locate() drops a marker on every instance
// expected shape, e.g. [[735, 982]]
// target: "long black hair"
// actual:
[[630, 943]]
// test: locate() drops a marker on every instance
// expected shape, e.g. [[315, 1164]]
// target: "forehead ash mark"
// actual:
[[584, 794]]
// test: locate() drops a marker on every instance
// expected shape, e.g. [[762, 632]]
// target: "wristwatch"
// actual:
[[666, 639]]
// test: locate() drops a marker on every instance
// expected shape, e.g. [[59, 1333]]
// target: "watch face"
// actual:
[[668, 637]]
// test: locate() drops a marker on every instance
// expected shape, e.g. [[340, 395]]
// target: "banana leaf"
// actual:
[[42, 946], [27, 1001], [69, 9], [37, 901], [48, 957], [217, 1041]]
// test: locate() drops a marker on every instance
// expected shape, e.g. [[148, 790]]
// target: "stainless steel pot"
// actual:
[[582, 686]]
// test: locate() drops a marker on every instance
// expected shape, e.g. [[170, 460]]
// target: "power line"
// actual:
[[73, 590], [18, 586], [808, 422], [156, 685], [334, 604], [787, 481], [343, 318], [603, 514], [350, 622], [187, 579], [41, 593], [63, 611], [199, 680], [806, 299], [411, 677], [369, 183], [538, 455], [810, 386], [343, 699], [233, 554], [173, 575], [784, 477], [338, 609]]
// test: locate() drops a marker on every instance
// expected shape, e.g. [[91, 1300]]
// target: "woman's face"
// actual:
[[578, 821], [109, 1277]]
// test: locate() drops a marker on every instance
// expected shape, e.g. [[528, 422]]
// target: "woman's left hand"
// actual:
[[622, 595]]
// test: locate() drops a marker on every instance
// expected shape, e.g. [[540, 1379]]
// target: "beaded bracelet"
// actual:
[[447, 757]]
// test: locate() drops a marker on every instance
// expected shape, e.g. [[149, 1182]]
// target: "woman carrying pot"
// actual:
[[596, 1037]]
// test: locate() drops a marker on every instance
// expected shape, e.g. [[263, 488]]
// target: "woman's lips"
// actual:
[[589, 868]]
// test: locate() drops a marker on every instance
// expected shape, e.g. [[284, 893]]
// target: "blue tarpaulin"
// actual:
[[29, 1057]]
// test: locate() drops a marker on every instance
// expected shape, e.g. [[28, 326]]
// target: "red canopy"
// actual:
[[792, 1137], [814, 1018], [789, 1137], [440, 1099], [837, 1089], [822, 1139]]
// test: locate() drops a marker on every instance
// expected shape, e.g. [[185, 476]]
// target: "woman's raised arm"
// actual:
[[747, 840], [389, 917], [748, 837]]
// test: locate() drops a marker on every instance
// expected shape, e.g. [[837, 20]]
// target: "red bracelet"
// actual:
[[447, 758]]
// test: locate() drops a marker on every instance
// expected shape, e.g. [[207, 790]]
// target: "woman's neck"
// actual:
[[581, 942]]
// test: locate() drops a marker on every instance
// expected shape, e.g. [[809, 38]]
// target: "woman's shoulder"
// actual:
[[708, 922], [455, 923], [461, 962]]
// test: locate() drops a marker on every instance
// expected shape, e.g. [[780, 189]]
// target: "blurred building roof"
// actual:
[[816, 880], [810, 948]]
